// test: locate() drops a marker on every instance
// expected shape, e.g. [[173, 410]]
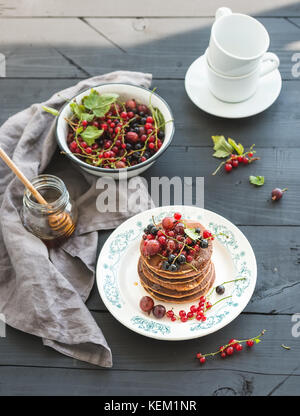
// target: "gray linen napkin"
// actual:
[[41, 292]]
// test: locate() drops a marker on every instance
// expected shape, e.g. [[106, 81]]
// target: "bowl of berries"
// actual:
[[115, 128]]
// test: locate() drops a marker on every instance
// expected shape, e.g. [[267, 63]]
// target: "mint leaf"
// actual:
[[257, 180], [239, 148], [190, 232], [90, 134], [50, 110], [221, 146]]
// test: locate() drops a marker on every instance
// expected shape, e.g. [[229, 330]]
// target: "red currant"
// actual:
[[177, 216], [84, 123], [245, 160], [250, 154], [182, 313], [229, 350], [250, 343], [238, 347], [235, 163], [184, 318], [202, 360], [206, 234], [228, 167]]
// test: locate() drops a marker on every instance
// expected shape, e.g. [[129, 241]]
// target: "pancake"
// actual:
[[180, 286], [190, 298], [178, 292]]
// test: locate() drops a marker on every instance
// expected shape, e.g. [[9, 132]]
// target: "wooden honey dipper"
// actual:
[[58, 222]]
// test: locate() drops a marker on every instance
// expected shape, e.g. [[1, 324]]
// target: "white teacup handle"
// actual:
[[269, 62], [222, 11]]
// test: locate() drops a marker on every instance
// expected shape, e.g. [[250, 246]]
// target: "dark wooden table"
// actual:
[[51, 46]]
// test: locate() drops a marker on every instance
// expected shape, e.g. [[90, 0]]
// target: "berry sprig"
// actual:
[[232, 346], [236, 159]]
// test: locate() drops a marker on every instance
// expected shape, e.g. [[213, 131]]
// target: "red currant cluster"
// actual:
[[172, 244], [232, 346], [237, 159], [195, 312], [131, 135]]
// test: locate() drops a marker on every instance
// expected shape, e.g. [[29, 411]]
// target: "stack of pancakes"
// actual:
[[185, 285]]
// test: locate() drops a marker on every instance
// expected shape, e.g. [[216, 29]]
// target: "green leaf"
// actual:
[[87, 116], [77, 109], [257, 180], [90, 134], [221, 146], [50, 110], [95, 100], [239, 148], [190, 232], [101, 111]]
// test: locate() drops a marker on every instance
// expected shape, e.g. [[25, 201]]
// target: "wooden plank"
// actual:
[[277, 126], [156, 8], [20, 381], [79, 48], [42, 50], [277, 280], [232, 195], [137, 353]]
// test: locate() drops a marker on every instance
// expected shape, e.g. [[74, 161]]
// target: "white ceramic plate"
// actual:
[[121, 291], [197, 89]]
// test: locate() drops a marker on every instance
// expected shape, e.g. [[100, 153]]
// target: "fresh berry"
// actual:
[[235, 163], [171, 245], [238, 347], [277, 193], [206, 234], [177, 216], [146, 304], [84, 123], [168, 223], [162, 240], [152, 248], [220, 289], [204, 243], [229, 350], [228, 167], [245, 160], [250, 343], [159, 311], [202, 360]]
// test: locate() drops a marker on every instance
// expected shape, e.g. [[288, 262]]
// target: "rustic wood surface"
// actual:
[[49, 46]]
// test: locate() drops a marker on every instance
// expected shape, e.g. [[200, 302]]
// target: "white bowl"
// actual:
[[125, 91]]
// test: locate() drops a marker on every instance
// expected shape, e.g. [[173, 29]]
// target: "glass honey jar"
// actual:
[[55, 222]]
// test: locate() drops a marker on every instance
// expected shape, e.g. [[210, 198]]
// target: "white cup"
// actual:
[[237, 89], [238, 43]]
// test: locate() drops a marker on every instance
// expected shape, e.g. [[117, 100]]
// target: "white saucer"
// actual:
[[197, 89]]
